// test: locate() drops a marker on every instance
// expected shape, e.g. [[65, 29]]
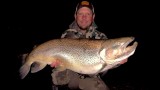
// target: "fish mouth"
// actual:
[[128, 49], [131, 45], [124, 52]]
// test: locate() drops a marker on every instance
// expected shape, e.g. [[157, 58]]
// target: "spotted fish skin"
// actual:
[[83, 56]]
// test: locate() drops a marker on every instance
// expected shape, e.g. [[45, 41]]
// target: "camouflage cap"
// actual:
[[84, 4]]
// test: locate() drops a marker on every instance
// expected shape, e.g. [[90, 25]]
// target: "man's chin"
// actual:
[[83, 28]]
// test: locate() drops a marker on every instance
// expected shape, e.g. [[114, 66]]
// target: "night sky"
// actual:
[[32, 23]]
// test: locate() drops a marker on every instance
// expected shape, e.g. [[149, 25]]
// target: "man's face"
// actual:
[[84, 18]]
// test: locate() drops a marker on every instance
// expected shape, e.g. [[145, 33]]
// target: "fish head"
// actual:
[[116, 50]]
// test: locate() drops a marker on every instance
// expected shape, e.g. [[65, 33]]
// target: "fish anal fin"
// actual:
[[37, 67]]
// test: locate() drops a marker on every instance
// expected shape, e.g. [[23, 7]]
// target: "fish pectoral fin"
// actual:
[[104, 73], [37, 67], [103, 66]]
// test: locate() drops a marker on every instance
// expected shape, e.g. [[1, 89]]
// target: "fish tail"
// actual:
[[24, 70]]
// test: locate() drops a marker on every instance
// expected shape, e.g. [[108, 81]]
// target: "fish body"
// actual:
[[83, 56]]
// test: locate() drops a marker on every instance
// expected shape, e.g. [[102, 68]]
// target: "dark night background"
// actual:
[[32, 23]]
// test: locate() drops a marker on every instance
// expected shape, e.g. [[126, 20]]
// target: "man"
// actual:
[[82, 27]]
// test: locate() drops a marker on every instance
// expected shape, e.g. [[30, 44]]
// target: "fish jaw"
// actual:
[[119, 52]]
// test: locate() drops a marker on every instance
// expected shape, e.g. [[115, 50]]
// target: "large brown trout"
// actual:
[[83, 56]]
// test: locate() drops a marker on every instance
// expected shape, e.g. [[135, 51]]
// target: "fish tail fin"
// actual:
[[24, 70]]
